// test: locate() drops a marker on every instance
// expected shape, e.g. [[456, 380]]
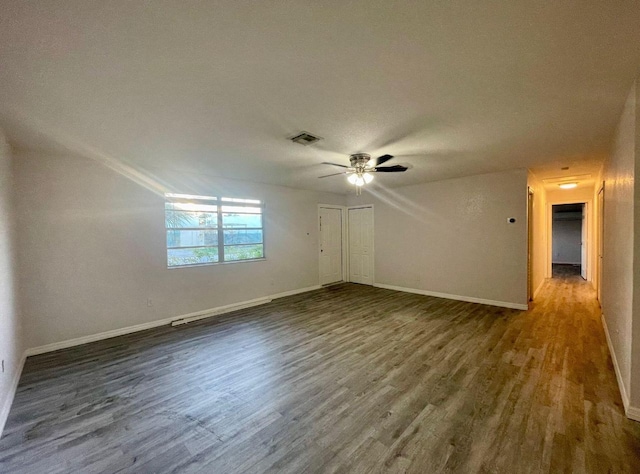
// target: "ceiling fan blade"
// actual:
[[334, 164], [391, 169], [383, 159], [333, 174]]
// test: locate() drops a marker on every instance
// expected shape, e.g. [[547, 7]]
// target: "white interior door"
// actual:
[[330, 245], [584, 243], [600, 240], [530, 288], [361, 245]]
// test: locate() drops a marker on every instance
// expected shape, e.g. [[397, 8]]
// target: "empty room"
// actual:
[[295, 236]]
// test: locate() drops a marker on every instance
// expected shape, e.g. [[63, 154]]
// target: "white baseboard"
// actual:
[[616, 368], [468, 299], [295, 292], [163, 322], [78, 341], [207, 313], [633, 413], [6, 406]]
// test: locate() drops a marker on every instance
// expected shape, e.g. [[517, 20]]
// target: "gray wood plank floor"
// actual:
[[349, 378]]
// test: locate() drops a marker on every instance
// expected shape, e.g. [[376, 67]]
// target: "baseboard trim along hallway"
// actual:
[[6, 406], [468, 299], [633, 413]]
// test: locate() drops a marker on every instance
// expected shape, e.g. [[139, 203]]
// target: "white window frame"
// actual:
[[219, 202]]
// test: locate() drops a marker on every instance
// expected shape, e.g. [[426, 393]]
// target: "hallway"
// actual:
[[348, 378], [569, 408], [589, 423]]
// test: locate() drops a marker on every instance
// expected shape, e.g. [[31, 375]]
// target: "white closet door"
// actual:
[[361, 245], [330, 245]]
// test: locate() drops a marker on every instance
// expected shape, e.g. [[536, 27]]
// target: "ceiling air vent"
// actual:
[[305, 138]]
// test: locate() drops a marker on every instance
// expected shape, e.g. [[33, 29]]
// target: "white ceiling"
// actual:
[[450, 88]]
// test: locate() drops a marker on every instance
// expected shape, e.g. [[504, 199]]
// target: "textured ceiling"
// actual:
[[450, 88]]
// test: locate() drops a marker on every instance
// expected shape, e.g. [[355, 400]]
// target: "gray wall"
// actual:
[[453, 237], [618, 262], [10, 334], [567, 238], [92, 248]]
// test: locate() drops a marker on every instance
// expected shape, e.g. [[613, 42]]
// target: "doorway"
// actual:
[[530, 234], [331, 231], [600, 241], [569, 230], [361, 256]]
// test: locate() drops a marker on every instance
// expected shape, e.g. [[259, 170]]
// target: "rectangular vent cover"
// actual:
[[305, 138]]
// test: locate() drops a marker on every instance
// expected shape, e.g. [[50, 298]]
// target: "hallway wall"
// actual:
[[620, 264], [583, 193], [539, 234], [10, 326]]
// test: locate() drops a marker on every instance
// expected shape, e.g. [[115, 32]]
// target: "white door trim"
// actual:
[[599, 231], [550, 204], [530, 203], [584, 241], [373, 241], [345, 241]]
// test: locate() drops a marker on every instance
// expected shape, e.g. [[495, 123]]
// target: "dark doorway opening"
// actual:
[[569, 237]]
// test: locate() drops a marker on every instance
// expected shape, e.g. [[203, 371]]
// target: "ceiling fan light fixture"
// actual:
[[361, 172]]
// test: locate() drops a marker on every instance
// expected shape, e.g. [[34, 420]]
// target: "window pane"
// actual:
[[248, 201], [177, 257], [189, 206], [192, 233], [243, 252], [241, 220], [251, 210], [190, 196], [248, 236], [191, 238], [182, 219]]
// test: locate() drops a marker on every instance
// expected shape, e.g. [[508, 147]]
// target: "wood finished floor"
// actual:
[[344, 379]]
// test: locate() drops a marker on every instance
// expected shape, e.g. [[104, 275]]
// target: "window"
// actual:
[[203, 230]]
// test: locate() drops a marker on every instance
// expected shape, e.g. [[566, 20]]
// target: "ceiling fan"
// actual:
[[360, 171]]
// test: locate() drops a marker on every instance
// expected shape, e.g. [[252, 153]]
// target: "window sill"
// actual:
[[176, 267]]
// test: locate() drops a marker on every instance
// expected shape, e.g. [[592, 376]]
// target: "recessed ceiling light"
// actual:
[[568, 185], [574, 178]]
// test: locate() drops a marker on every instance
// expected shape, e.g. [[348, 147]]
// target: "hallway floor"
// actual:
[[561, 270], [348, 378]]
